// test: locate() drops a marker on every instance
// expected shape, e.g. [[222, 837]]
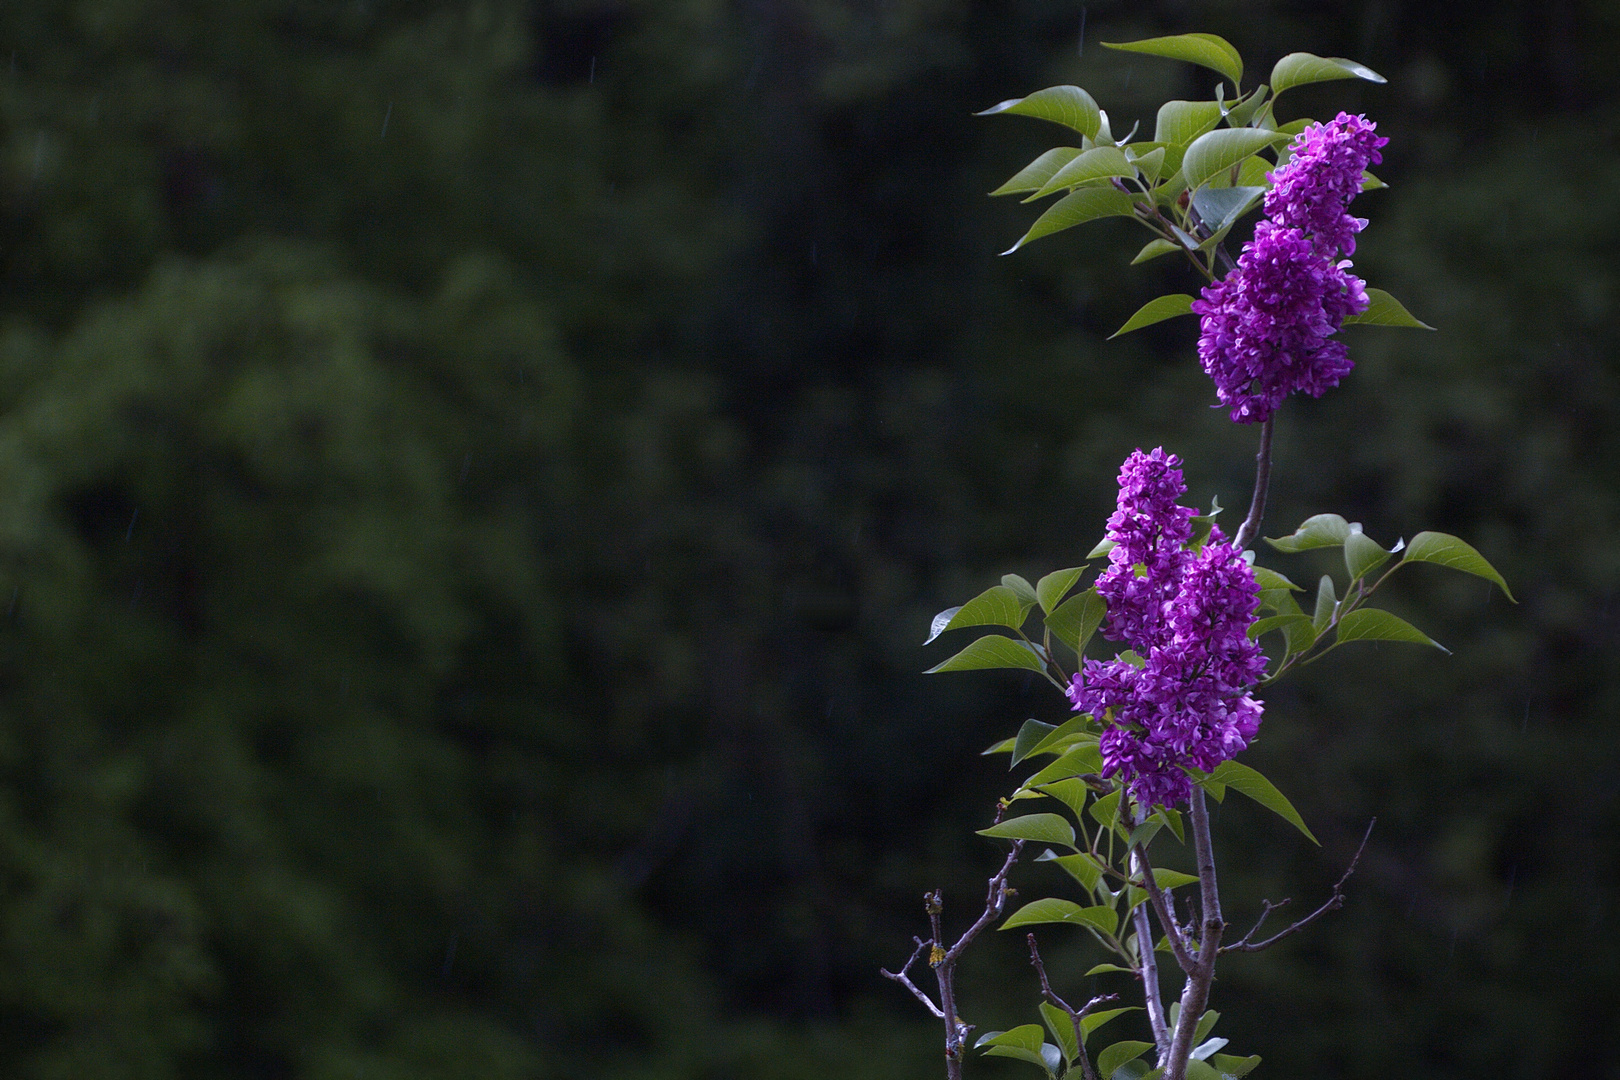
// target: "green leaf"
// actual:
[[1033, 177], [1219, 208], [1280, 601], [1240, 113], [1062, 1029], [992, 651], [1094, 164], [1326, 602], [1055, 910], [1206, 1024], [996, 606], [1105, 810], [1252, 173], [1298, 631], [1077, 618], [1384, 310], [1118, 1054], [1019, 585], [1041, 828], [1242, 778], [1016, 1044], [1150, 164], [1030, 735], [1143, 834], [1055, 586], [1235, 1066], [1078, 207], [1067, 105], [1156, 310], [1020, 1054], [1443, 549], [1373, 624], [1180, 122], [1071, 792], [1270, 579], [1205, 50], [1073, 730], [1100, 969], [1172, 821], [1300, 68], [1213, 152], [1092, 1021], [1323, 530], [1200, 1070], [1172, 879], [1005, 746], [1028, 1036], [1153, 249], [1363, 554], [1082, 867], [1083, 759]]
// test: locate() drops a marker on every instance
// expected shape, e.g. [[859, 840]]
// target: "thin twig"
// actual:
[[903, 977], [1167, 917], [1075, 1015], [1262, 480], [1150, 980], [1195, 995], [1332, 903], [995, 901], [943, 960]]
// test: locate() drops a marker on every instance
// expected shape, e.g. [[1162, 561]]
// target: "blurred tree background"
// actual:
[[476, 477]]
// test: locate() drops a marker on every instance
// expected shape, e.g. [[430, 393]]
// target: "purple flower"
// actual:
[[1323, 174], [1182, 699], [1265, 328], [1149, 531]]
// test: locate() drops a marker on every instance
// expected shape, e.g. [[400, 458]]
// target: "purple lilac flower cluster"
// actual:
[[1323, 174], [1265, 328], [1186, 615]]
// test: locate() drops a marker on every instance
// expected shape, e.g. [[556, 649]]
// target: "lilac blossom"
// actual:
[[1148, 530], [1181, 700], [1266, 328], [1323, 174]]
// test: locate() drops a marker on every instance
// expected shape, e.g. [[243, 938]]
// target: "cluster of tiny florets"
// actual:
[[1322, 175], [1266, 328], [1182, 699]]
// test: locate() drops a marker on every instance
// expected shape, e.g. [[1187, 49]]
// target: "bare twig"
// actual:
[[1332, 903], [1161, 906], [903, 977], [1149, 972], [1262, 480], [1075, 1015], [943, 960], [1195, 995]]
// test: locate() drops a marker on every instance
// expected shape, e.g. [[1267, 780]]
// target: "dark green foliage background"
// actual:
[[475, 477]]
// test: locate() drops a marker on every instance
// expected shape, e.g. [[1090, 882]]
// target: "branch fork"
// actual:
[[943, 960]]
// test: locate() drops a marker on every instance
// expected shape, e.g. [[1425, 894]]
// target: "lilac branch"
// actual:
[[1262, 480], [943, 960], [1161, 907], [1195, 995], [1075, 1015], [1150, 981], [1332, 903], [903, 977]]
